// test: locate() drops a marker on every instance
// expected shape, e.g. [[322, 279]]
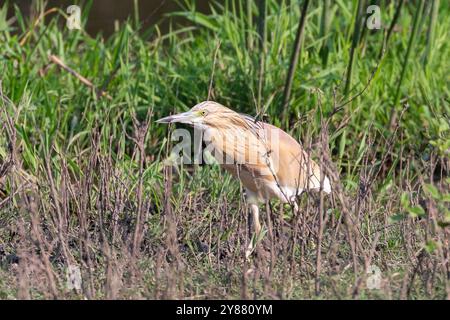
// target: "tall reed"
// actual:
[[353, 48], [431, 32], [411, 42], [296, 52], [324, 32], [262, 52]]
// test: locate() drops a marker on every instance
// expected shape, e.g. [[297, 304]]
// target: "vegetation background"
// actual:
[[83, 181]]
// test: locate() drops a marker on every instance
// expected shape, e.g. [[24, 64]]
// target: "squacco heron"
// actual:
[[268, 161]]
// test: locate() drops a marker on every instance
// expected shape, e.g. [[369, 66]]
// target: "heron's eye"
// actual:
[[203, 113]]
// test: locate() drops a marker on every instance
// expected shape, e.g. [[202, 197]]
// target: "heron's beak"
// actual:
[[185, 117]]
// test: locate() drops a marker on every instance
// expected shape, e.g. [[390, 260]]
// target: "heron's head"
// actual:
[[207, 114]]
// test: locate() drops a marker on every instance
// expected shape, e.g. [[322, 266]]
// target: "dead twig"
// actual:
[[83, 80]]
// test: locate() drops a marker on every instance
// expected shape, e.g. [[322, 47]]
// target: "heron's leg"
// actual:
[[256, 226], [295, 208], [255, 218]]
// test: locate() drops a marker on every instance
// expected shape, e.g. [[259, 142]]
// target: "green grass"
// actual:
[[194, 231]]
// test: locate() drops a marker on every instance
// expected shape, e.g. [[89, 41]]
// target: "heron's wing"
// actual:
[[253, 124], [295, 167], [282, 169], [291, 165]]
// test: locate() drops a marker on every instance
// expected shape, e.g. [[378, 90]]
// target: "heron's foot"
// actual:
[[254, 241], [249, 251]]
